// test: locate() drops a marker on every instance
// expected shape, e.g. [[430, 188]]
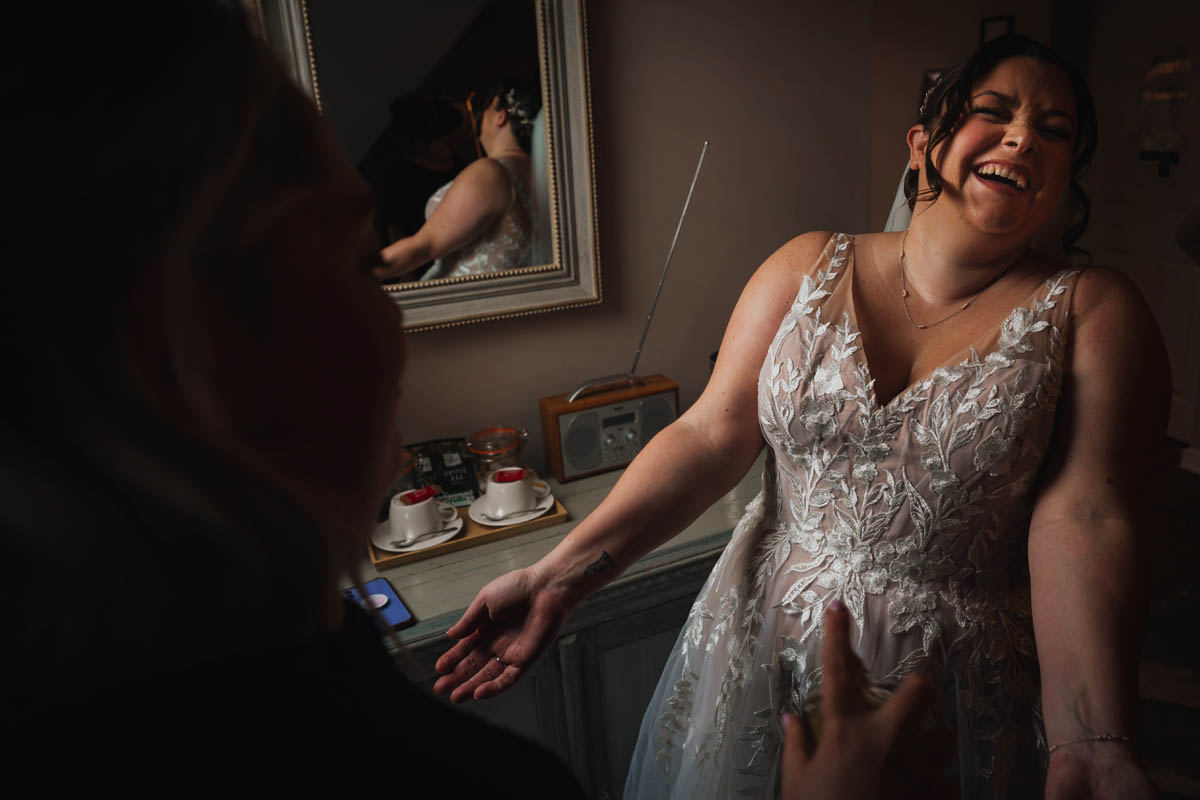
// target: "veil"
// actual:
[[900, 214]]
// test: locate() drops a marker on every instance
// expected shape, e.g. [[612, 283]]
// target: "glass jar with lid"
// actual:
[[496, 448]]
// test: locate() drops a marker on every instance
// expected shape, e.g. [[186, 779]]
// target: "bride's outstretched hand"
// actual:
[[509, 624]]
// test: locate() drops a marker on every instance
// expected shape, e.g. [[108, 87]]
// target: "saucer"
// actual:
[[382, 538], [475, 512]]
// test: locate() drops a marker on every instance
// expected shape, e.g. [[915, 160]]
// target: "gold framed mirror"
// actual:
[[361, 60]]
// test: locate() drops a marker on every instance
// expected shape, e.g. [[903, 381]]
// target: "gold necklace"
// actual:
[[957, 311]]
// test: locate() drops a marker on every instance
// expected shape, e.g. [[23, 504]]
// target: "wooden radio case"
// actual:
[[605, 430]]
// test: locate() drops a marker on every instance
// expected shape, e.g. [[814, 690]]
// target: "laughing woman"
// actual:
[[959, 430]]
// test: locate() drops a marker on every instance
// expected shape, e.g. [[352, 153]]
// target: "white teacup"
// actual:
[[511, 491], [415, 514]]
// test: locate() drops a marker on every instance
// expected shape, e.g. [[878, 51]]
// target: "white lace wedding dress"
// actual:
[[914, 514]]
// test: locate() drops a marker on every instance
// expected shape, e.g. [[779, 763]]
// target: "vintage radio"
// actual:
[[607, 421], [605, 430]]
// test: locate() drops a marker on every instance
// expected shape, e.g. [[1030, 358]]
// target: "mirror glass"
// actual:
[[416, 92]]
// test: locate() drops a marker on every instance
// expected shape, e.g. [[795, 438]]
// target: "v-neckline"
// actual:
[[860, 353]]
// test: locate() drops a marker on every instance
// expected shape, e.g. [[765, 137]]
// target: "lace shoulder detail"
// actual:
[[520, 190], [820, 280]]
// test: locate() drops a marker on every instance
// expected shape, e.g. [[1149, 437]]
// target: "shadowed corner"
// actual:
[[1169, 680]]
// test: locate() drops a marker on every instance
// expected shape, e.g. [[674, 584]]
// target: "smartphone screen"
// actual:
[[385, 600]]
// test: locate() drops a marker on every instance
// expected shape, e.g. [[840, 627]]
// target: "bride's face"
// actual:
[[1007, 165]]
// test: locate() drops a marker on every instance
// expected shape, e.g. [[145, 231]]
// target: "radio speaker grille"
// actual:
[[581, 445]]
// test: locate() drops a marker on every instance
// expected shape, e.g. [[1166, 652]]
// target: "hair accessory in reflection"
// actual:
[[516, 109]]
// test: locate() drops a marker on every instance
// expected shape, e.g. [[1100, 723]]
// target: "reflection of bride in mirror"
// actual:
[[481, 221]]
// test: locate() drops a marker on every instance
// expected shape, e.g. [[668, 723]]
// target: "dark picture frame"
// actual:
[[991, 27]]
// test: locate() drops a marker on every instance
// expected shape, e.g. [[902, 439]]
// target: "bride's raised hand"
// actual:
[[507, 627]]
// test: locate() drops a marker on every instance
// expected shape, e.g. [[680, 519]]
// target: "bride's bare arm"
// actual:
[[680, 473], [1087, 539], [478, 197], [700, 457]]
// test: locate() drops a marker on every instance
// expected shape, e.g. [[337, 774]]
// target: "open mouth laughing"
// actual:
[[1001, 175]]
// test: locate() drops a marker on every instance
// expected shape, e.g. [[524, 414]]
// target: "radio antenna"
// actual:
[[632, 376], [667, 265]]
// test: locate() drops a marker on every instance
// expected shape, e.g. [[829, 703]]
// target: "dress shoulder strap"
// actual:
[[1055, 298], [519, 193], [835, 250], [823, 280]]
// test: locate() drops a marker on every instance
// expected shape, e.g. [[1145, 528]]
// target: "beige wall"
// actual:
[[908, 38], [780, 89]]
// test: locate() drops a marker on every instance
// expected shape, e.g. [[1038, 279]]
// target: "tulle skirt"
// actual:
[[712, 728]]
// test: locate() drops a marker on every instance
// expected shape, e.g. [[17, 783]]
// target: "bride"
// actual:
[[481, 221], [959, 430]]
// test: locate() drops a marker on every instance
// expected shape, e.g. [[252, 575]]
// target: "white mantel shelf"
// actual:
[[437, 590]]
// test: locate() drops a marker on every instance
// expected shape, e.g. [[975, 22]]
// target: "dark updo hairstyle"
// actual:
[[947, 99], [522, 99]]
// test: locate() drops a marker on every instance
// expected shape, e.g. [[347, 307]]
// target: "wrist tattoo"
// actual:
[[600, 564]]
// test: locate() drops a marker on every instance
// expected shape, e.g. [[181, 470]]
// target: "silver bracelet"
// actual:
[[1100, 737]]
